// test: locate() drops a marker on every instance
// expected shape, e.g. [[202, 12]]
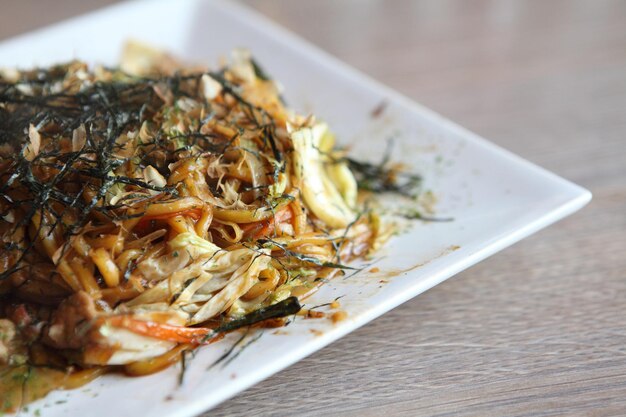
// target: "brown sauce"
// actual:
[[396, 272], [338, 316], [23, 384]]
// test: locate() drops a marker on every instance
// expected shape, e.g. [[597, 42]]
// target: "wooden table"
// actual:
[[539, 329]]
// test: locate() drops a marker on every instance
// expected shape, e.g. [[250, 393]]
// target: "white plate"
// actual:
[[495, 197]]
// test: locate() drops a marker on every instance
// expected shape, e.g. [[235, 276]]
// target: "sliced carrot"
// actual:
[[178, 334]]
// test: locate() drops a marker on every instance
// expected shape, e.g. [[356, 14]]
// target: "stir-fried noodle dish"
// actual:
[[148, 209]]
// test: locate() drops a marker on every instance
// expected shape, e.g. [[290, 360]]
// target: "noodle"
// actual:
[[107, 267], [86, 277], [137, 210]]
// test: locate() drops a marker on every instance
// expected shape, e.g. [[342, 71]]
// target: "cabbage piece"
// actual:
[[346, 184], [206, 287], [127, 346], [242, 280], [328, 198], [193, 244]]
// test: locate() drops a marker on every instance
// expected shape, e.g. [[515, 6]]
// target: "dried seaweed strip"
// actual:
[[106, 109]]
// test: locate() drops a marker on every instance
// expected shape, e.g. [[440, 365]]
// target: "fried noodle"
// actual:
[[143, 206]]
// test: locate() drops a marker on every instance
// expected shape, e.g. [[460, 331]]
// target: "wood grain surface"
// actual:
[[540, 328]]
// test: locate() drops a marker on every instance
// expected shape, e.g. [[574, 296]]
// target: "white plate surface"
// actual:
[[495, 197]]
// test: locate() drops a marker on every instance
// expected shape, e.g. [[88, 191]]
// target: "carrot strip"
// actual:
[[178, 334]]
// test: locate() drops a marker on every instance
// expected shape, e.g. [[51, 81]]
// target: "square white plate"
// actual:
[[495, 197]]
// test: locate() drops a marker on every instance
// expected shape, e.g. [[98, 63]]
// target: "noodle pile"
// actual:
[[144, 206]]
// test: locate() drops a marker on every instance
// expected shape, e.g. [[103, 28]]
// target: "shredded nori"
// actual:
[[283, 308], [381, 178], [304, 258], [287, 307], [58, 177]]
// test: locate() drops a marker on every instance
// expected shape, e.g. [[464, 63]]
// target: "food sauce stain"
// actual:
[[23, 384], [385, 275]]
